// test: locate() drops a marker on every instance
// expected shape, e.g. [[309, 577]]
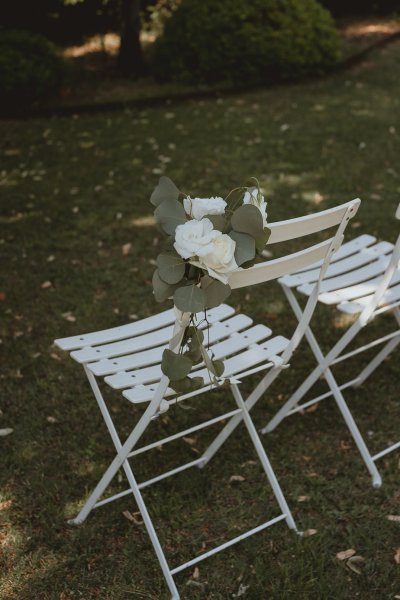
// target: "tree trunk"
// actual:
[[130, 57]]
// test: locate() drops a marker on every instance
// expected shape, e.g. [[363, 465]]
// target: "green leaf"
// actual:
[[187, 384], [195, 340], [262, 239], [214, 366], [162, 290], [219, 367], [219, 222], [248, 219], [190, 298], [165, 190], [175, 366], [169, 214], [171, 267], [245, 250], [216, 292]]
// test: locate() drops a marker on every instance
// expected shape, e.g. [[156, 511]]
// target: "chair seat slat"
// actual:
[[340, 267], [233, 344], [137, 328], [346, 249], [358, 276], [356, 291], [391, 296], [233, 366], [145, 358]]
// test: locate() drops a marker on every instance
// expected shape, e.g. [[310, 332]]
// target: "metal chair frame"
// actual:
[[91, 355], [378, 301]]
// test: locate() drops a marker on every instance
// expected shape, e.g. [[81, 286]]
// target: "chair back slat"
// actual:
[[273, 269], [282, 231]]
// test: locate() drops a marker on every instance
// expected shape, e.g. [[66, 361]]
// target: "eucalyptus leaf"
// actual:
[[171, 267], [262, 239], [169, 214], [194, 342], [165, 190], [175, 366], [245, 250], [248, 219], [219, 222], [190, 298], [187, 384], [219, 367], [162, 290], [216, 291]]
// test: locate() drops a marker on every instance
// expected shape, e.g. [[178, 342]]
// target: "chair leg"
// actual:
[[376, 361], [224, 434], [355, 432], [264, 458], [323, 362]]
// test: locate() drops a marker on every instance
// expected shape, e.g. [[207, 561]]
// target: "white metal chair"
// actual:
[[363, 279], [128, 357]]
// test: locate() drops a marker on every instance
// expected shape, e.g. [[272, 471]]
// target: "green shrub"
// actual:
[[246, 41], [30, 68]]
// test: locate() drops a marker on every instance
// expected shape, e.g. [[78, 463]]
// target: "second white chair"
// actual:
[[363, 280]]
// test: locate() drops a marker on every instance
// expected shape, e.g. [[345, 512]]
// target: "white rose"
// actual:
[[220, 259], [197, 208], [252, 198], [194, 238]]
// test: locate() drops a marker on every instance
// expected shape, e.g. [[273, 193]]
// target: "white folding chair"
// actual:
[[128, 357], [363, 279]]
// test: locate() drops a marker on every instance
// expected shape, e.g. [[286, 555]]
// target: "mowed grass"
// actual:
[[74, 192]]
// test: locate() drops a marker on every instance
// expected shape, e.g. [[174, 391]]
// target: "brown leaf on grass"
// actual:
[[54, 356], [395, 518], [309, 532], [133, 517], [126, 248], [235, 478], [303, 498], [45, 285], [68, 316], [2, 296], [345, 554], [354, 563], [189, 440], [6, 431], [397, 556], [6, 504], [312, 408], [51, 419], [196, 573]]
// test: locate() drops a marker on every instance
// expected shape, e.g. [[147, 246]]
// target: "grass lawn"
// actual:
[[74, 191]]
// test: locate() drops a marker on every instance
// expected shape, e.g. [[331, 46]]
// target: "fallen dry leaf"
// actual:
[[303, 498], [234, 478], [68, 316], [133, 517], [51, 419], [6, 431], [354, 563], [196, 573], [397, 556], [2, 296], [126, 248], [344, 554], [309, 532], [395, 518], [6, 504], [54, 356], [46, 284]]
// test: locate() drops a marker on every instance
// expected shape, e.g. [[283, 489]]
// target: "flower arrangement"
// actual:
[[207, 240]]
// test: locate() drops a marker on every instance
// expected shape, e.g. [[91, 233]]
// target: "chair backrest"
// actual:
[[273, 269], [291, 229]]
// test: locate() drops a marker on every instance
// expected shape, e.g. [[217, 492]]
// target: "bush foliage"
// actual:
[[30, 67], [246, 42]]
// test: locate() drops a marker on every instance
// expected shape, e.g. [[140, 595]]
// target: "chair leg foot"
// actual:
[[75, 521], [376, 481]]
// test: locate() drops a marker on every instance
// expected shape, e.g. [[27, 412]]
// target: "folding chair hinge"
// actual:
[[278, 362]]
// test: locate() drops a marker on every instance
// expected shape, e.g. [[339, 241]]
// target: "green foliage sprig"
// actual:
[[207, 239]]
